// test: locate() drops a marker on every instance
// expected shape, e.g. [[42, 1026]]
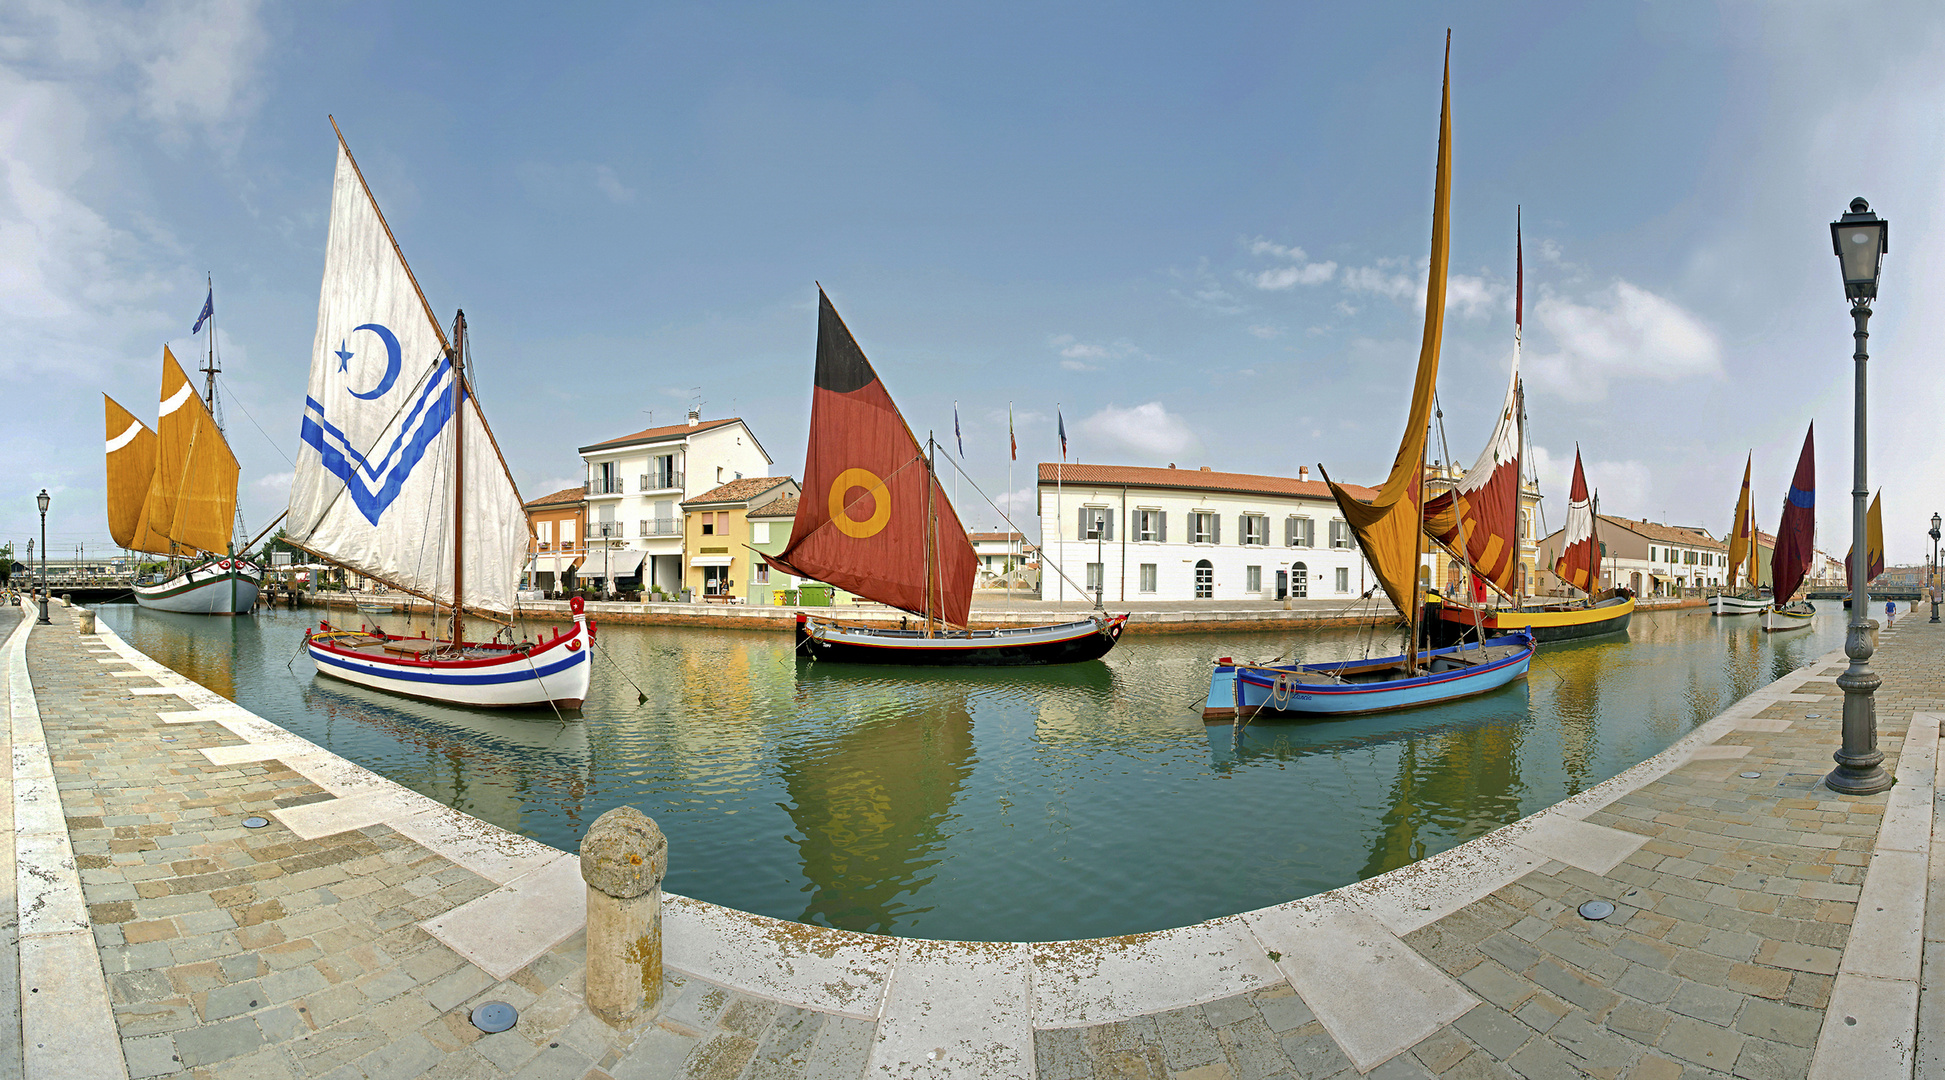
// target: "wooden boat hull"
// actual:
[[1060, 643], [1737, 604], [1257, 691], [1797, 616], [1447, 622], [206, 589], [556, 672]]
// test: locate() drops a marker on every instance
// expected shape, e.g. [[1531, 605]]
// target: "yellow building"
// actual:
[[716, 536]]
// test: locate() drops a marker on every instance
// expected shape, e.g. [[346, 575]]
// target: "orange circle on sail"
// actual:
[[840, 510]]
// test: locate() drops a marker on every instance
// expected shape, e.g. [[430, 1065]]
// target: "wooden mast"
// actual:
[[931, 534], [458, 353]]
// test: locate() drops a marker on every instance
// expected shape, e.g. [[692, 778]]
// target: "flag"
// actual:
[[209, 309], [960, 439], [1061, 421], [1012, 443]]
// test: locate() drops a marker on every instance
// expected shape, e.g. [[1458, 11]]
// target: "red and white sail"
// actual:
[[1579, 564]]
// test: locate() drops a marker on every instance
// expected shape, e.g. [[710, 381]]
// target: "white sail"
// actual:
[[375, 477]]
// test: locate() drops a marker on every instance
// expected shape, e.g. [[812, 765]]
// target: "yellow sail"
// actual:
[[192, 496], [1742, 534], [131, 469], [1387, 527]]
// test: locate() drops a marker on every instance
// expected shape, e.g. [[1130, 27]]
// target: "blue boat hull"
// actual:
[[1273, 690]]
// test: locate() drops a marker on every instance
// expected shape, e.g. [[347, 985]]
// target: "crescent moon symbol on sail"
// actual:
[[392, 363]]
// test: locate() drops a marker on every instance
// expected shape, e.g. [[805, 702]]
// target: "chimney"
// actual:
[[1205, 468], [695, 415], [1171, 464], [1303, 472]]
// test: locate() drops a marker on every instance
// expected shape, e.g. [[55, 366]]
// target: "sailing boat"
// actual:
[[1796, 544], [874, 520], [1478, 522], [1873, 547], [399, 479], [172, 492], [1389, 529], [1742, 549]]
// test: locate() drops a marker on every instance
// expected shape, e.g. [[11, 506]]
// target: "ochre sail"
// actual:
[[192, 496], [1387, 527], [1579, 564], [1742, 534], [1873, 543], [1796, 535], [376, 474], [131, 469], [1479, 518], [861, 523]]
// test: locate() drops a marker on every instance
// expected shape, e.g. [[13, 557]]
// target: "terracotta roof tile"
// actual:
[[784, 506], [1672, 534], [564, 495], [749, 487], [656, 433], [1140, 476], [993, 537]]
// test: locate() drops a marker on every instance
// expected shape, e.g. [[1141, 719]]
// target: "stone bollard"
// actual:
[[84, 620], [623, 858]]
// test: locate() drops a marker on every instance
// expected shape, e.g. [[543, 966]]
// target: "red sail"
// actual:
[[1478, 518], [1579, 564], [861, 522], [1796, 537]]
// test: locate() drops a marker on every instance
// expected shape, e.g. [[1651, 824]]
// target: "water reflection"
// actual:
[[1024, 804]]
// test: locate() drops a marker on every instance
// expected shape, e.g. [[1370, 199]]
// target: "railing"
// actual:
[[661, 527], [609, 486], [661, 481]]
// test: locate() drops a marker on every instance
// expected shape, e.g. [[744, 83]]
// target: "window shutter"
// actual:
[[1289, 532], [1215, 527], [1161, 526], [1082, 535], [1108, 516]]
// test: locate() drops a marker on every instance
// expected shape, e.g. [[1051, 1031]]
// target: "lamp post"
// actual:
[[1860, 238], [43, 500], [1932, 584]]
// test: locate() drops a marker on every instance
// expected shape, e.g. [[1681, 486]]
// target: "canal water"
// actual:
[[1029, 804]]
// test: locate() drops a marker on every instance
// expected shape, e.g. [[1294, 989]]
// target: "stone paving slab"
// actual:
[[1746, 934]]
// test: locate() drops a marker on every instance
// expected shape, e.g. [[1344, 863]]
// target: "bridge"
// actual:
[[1878, 592]]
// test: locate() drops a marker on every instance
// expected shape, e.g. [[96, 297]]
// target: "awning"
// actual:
[[620, 563], [711, 560], [550, 563]]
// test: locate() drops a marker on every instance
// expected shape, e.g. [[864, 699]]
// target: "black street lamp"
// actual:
[[1860, 238], [1936, 521], [43, 500]]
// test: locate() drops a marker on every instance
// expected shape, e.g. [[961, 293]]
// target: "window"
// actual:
[[644, 527], [1252, 579], [1097, 523], [1205, 579], [1151, 525], [1340, 533], [763, 573], [1299, 581], [708, 524], [719, 474], [1256, 530], [1094, 577], [759, 532], [567, 536], [546, 531], [1343, 579], [1299, 532], [1204, 527], [1526, 524], [1148, 577]]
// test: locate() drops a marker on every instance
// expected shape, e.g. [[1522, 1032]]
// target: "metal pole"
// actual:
[[1933, 582], [1860, 764], [44, 619]]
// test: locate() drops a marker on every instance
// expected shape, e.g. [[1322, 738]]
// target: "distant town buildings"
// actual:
[[719, 535], [1652, 559]]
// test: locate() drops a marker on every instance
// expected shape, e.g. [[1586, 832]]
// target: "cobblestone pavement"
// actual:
[[252, 953]]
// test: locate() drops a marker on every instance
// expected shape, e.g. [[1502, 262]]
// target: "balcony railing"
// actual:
[[661, 481], [606, 486], [661, 527]]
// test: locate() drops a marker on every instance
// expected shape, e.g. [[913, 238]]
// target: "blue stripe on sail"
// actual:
[[373, 504], [434, 387], [527, 674], [1805, 500]]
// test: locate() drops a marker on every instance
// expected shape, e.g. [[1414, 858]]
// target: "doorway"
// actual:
[[1299, 581], [1205, 580]]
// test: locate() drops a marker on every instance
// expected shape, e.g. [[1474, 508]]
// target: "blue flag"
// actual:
[[209, 309], [1062, 422], [960, 439]]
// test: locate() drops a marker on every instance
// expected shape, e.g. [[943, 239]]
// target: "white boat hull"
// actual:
[[1730, 604], [223, 587], [557, 673], [1786, 619]]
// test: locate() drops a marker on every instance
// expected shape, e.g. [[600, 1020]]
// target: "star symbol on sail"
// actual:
[[344, 358]]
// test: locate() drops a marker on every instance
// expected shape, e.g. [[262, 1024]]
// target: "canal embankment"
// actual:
[[1761, 924], [1150, 617]]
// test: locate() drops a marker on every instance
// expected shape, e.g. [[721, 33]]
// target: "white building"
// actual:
[[1653, 559], [999, 552], [1193, 534], [637, 483]]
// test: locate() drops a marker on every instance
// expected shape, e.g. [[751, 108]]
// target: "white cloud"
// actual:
[[1200, 289], [1076, 354], [1372, 279], [1465, 295], [551, 485], [1265, 331], [1629, 334], [275, 484], [1301, 272], [1144, 431], [611, 185]]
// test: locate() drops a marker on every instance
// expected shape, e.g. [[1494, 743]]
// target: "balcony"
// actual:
[[661, 527], [661, 481], [607, 486]]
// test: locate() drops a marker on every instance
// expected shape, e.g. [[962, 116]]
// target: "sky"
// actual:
[[1199, 232]]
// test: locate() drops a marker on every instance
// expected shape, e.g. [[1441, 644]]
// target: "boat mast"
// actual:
[[210, 368], [1519, 402], [458, 354], [931, 534]]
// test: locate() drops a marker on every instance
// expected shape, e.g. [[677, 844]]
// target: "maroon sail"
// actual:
[[868, 497], [1796, 537]]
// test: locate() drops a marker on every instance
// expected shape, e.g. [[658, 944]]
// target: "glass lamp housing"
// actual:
[[1860, 238]]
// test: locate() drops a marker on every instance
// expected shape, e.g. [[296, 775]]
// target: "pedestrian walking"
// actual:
[[1890, 614]]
